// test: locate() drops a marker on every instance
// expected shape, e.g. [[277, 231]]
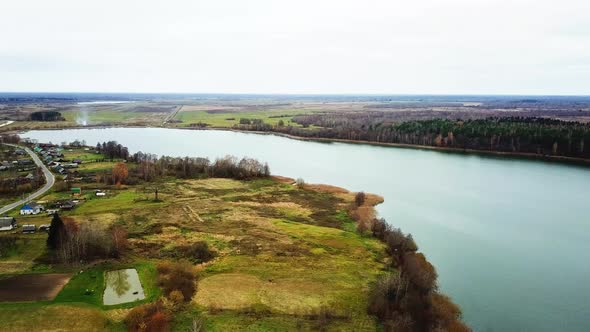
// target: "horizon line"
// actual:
[[301, 94]]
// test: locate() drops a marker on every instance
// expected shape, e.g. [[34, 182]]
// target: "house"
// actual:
[[7, 223], [51, 212], [65, 205], [77, 161], [31, 208], [76, 191], [100, 194], [44, 227], [60, 170], [29, 228]]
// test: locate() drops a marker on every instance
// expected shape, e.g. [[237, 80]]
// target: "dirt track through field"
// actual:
[[32, 287]]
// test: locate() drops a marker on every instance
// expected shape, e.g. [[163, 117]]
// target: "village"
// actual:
[[65, 167], [18, 174]]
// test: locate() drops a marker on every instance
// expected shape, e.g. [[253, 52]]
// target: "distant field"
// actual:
[[128, 116], [228, 118], [138, 114]]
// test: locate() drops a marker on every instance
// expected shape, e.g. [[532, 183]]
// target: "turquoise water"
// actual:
[[510, 238]]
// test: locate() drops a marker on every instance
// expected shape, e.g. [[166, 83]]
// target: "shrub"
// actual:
[[385, 296], [362, 227], [300, 183], [400, 323], [175, 300], [359, 198], [149, 317], [197, 252], [177, 276], [398, 243], [379, 228], [158, 322], [164, 267], [446, 314], [420, 272]]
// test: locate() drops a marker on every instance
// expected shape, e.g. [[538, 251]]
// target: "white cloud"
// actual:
[[322, 46]]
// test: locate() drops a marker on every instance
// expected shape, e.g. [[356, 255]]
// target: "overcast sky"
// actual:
[[296, 46]]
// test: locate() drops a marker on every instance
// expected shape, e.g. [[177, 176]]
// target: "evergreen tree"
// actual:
[[56, 232]]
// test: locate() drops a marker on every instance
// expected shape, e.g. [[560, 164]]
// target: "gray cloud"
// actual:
[[305, 46]]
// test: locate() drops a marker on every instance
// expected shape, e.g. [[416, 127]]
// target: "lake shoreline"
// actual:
[[498, 154]]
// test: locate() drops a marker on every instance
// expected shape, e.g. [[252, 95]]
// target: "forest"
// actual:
[[46, 116], [533, 135]]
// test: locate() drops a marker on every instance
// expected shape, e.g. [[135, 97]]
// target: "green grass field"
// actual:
[[84, 155], [229, 119], [111, 117]]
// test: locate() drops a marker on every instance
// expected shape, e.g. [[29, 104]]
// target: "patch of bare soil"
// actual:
[[32, 287]]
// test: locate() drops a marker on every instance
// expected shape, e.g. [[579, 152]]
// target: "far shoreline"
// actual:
[[498, 154]]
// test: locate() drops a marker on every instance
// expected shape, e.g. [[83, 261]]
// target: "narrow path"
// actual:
[[49, 181], [172, 115]]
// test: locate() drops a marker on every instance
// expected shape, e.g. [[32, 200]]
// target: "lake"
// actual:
[[509, 237]]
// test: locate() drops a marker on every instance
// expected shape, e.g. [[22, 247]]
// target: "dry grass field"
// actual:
[[284, 255]]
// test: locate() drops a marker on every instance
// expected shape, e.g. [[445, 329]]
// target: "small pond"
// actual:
[[122, 286]]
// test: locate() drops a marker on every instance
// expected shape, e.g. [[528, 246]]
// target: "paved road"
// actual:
[[50, 180]]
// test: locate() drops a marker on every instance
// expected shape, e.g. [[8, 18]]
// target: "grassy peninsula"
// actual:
[[282, 255]]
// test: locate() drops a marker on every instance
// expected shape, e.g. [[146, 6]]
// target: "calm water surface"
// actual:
[[510, 238], [122, 286]]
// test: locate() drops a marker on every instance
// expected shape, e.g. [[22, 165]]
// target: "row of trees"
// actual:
[[150, 167], [71, 241], [113, 150], [47, 116], [9, 138], [536, 135], [409, 301]]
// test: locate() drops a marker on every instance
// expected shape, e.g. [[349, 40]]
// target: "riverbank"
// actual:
[[498, 154]]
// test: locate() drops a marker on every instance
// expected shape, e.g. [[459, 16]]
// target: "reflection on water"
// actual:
[[122, 286], [118, 281]]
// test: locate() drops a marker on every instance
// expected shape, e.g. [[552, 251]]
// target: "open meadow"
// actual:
[[283, 257]]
